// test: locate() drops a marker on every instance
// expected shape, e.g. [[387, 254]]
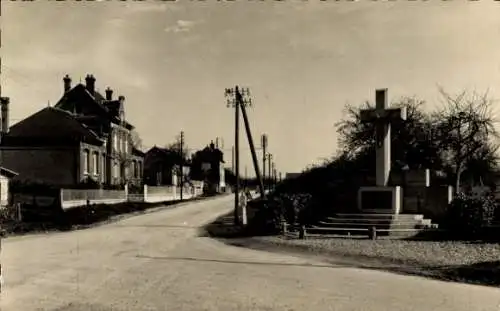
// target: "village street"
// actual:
[[157, 261]]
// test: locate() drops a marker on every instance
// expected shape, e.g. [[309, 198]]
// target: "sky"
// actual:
[[303, 61]]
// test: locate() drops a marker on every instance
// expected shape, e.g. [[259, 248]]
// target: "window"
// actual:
[[134, 168], [116, 168], [139, 169], [103, 168], [115, 141], [125, 144], [85, 161], [95, 163]]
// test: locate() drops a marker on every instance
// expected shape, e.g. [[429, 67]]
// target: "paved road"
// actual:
[[157, 262]]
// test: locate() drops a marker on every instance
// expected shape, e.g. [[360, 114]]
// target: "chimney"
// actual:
[[67, 83], [109, 94], [90, 83], [4, 103], [212, 146], [121, 99]]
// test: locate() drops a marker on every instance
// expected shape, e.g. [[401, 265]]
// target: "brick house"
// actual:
[[160, 164], [84, 137]]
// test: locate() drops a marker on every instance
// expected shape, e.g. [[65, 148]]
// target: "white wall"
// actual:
[[4, 191]]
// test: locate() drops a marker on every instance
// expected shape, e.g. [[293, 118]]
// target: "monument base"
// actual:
[[380, 200]]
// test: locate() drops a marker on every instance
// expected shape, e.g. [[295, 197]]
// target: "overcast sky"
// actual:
[[303, 61]]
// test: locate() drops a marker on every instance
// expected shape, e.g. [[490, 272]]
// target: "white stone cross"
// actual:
[[383, 116]]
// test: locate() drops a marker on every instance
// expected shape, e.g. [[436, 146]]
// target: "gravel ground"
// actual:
[[419, 252], [468, 262]]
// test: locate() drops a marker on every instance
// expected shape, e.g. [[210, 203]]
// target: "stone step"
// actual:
[[373, 221], [378, 216], [388, 225], [364, 232]]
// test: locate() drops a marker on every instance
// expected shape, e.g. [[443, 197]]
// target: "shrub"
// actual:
[[32, 187], [468, 215]]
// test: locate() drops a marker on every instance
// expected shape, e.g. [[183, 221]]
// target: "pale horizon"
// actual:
[[303, 61]]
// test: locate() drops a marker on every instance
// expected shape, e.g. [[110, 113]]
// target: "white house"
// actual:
[[5, 177]]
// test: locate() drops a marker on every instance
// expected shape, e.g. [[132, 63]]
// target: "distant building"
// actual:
[[161, 165], [208, 165], [83, 138]]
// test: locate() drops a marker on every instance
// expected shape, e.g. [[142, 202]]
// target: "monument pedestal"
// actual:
[[380, 200]]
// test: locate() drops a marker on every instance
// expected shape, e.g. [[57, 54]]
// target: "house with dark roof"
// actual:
[[83, 138], [208, 165], [161, 164]]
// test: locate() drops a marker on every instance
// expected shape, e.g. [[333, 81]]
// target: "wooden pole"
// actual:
[[236, 156]]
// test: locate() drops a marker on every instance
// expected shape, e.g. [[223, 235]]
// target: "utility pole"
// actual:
[[232, 160], [274, 174], [232, 101], [269, 170], [281, 179], [263, 144], [182, 163], [239, 99], [243, 103]]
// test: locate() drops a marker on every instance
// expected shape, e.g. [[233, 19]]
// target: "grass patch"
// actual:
[[460, 261]]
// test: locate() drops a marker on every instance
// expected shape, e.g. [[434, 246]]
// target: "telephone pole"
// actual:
[[239, 99], [269, 170], [243, 104], [274, 174], [232, 101], [263, 144], [232, 160], [182, 163]]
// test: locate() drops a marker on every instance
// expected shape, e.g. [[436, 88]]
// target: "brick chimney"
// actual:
[[4, 107], [90, 83], [109, 94], [67, 83]]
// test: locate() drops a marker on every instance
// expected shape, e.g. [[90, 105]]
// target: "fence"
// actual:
[[78, 197], [68, 198], [170, 193]]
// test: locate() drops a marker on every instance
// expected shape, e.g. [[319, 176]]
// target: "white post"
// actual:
[[145, 193], [450, 194], [243, 205]]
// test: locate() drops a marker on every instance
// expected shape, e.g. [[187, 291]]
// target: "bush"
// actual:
[[33, 187], [87, 183], [273, 211], [468, 215], [135, 188]]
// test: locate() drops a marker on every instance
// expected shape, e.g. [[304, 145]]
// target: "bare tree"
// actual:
[[135, 140], [176, 147], [465, 131], [412, 141]]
